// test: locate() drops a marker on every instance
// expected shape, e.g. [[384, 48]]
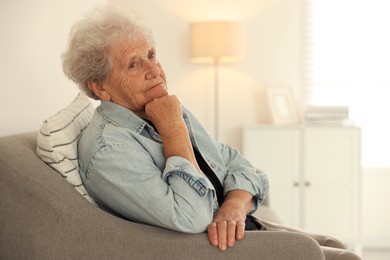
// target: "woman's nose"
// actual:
[[153, 70]]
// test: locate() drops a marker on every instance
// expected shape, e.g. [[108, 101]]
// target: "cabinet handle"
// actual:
[[307, 183], [296, 184]]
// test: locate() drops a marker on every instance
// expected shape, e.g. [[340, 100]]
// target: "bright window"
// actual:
[[347, 62]]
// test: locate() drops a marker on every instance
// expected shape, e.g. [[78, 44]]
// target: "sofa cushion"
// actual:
[[58, 138]]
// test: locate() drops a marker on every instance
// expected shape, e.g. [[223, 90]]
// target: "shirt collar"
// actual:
[[121, 116]]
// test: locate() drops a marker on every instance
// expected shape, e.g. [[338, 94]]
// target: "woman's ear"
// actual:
[[99, 91]]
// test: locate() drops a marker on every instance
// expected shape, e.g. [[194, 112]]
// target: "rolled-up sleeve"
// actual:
[[178, 167], [241, 175], [256, 184]]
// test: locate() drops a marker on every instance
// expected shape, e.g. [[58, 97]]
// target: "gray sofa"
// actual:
[[43, 217]]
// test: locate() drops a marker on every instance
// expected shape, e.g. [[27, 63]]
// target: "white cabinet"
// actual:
[[314, 174]]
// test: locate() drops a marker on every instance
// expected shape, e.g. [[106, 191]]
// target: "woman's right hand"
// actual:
[[165, 113]]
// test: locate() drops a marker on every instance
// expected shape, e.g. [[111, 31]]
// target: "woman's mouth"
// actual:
[[161, 84]]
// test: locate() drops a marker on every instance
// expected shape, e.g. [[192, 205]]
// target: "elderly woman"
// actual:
[[144, 156]]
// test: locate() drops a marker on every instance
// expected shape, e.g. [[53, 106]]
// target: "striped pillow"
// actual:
[[58, 137]]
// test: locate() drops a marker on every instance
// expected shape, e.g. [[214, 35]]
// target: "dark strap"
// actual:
[[250, 222], [210, 175]]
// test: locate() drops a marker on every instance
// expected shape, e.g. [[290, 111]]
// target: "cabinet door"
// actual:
[[277, 153], [331, 159]]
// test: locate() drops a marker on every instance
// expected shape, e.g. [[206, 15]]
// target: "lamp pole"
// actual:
[[216, 41], [216, 98]]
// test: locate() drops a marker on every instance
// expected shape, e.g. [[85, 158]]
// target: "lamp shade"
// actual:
[[216, 40]]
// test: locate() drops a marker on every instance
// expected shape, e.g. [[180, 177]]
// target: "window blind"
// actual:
[[346, 50]]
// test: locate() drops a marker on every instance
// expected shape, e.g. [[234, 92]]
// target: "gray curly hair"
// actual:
[[86, 58]]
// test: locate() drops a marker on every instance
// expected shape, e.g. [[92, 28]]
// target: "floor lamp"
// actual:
[[216, 42]]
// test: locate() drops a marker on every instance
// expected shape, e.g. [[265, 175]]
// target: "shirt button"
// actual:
[[213, 165]]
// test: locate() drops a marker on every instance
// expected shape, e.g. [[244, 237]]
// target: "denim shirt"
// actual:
[[122, 164]]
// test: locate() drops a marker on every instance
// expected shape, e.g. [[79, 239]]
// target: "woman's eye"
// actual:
[[132, 65], [152, 55]]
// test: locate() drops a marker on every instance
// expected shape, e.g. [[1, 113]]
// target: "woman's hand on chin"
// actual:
[[165, 113]]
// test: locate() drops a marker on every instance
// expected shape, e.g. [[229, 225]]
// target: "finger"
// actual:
[[212, 234], [231, 233], [240, 230], [222, 233]]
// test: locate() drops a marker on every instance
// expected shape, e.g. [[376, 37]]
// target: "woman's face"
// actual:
[[136, 77]]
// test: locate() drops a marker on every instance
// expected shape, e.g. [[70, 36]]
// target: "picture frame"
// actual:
[[282, 106]]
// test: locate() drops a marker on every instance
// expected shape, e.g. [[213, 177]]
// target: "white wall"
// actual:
[[34, 34]]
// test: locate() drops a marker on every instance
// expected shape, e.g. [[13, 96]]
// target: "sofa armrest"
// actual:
[[43, 217]]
